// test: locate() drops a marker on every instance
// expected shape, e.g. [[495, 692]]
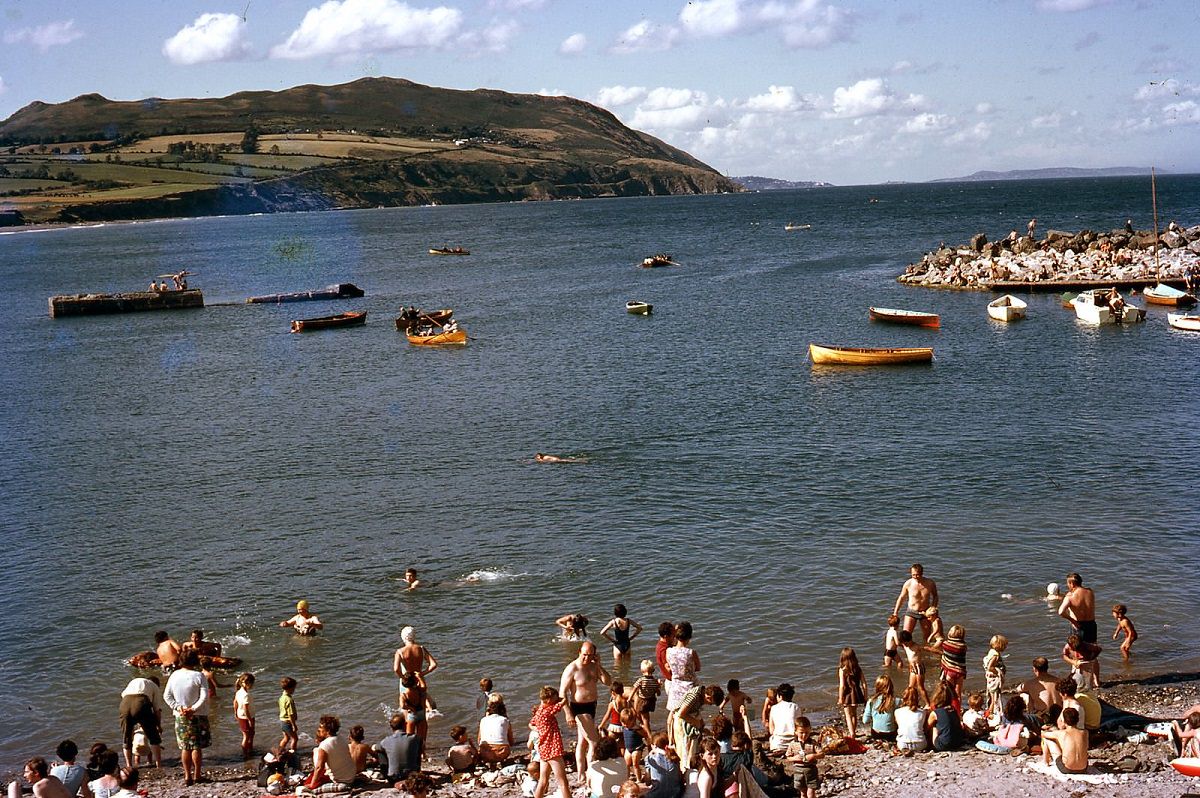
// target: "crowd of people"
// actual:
[[624, 744]]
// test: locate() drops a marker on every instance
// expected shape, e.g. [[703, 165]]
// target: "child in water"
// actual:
[[1124, 625], [891, 642], [916, 665], [737, 701], [936, 629], [994, 671], [769, 700]]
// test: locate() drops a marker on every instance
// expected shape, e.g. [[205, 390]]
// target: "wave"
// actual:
[[491, 575], [229, 641]]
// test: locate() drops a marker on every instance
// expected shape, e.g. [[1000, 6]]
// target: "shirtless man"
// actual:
[[579, 687], [413, 657], [1066, 747], [1042, 688], [205, 648], [1079, 607], [167, 651], [921, 594], [37, 773]]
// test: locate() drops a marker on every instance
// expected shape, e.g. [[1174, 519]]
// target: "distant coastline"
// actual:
[[1050, 173]]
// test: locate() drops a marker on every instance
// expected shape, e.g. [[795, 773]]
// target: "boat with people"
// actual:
[[1007, 308], [638, 308], [449, 251], [335, 291], [351, 319], [655, 261], [1163, 294], [1184, 321], [449, 334], [149, 659], [1101, 306], [897, 316], [868, 356], [412, 317], [791, 227]]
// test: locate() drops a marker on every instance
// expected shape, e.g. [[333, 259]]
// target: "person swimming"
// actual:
[[542, 457]]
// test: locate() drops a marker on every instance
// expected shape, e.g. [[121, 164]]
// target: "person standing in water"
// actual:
[[414, 658], [1079, 607], [623, 630], [920, 593], [304, 622]]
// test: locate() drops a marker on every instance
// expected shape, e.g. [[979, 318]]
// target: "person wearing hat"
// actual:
[[304, 622]]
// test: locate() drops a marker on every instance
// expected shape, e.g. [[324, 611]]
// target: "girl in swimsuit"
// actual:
[[412, 702], [623, 631]]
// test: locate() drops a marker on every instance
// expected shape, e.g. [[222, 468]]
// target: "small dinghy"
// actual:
[[638, 308], [1007, 308]]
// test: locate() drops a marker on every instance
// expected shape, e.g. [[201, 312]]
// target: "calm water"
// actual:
[[207, 468]]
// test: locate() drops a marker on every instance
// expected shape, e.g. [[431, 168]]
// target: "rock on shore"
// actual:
[[1115, 256]]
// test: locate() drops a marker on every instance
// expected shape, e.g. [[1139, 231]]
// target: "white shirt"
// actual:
[[910, 725], [243, 704], [493, 729], [338, 761], [187, 688], [783, 724], [606, 777], [141, 686]]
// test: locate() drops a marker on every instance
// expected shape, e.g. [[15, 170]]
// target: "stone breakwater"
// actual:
[[1117, 256]]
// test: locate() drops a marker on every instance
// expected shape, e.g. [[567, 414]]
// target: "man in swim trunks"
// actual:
[[579, 687], [168, 652], [1079, 607], [921, 594], [1067, 747], [414, 658]]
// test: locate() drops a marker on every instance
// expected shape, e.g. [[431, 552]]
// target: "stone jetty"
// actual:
[[1061, 260], [131, 302]]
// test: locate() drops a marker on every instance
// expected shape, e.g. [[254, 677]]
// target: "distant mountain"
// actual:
[[373, 142], [1048, 174], [756, 183]]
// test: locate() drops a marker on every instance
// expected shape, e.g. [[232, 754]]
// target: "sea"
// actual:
[[208, 469]]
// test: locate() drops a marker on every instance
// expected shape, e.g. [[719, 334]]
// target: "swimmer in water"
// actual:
[[1052, 593], [410, 579], [541, 457], [574, 627], [304, 622]]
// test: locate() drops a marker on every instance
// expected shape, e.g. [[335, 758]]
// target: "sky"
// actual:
[[848, 92]]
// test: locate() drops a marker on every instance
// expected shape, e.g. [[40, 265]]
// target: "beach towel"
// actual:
[[1090, 776]]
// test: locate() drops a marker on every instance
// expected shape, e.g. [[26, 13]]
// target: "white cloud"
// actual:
[[1166, 89], [800, 23], [212, 37], [616, 96], [922, 124], [1046, 121], [900, 67], [573, 45], [43, 37], [516, 5], [980, 131], [778, 99], [492, 39], [712, 17], [1070, 5], [552, 92], [983, 108], [345, 27], [645, 36], [872, 97], [1182, 113], [664, 98]]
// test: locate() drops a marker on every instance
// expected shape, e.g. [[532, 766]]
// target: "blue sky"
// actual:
[[848, 91]]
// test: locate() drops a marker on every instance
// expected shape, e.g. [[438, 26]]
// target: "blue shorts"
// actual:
[[289, 727]]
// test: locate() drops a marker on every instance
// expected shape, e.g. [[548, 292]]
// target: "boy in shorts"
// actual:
[[287, 715]]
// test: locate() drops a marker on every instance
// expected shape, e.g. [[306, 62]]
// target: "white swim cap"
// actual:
[[1052, 589], [407, 634]]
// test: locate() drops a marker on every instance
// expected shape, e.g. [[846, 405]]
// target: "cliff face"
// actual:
[[479, 146]]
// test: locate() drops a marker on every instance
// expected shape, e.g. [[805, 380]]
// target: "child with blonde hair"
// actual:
[[994, 671]]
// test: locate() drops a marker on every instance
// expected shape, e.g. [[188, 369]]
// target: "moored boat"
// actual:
[[335, 291], [1007, 308], [896, 316], [451, 334], [790, 227], [449, 251], [865, 356], [411, 317], [352, 319], [1099, 307], [655, 261], [1184, 321], [639, 308], [1163, 294]]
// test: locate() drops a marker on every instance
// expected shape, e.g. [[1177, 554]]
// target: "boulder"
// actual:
[[1174, 240], [1053, 236], [977, 242]]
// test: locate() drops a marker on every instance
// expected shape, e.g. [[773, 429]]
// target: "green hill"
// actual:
[[375, 141]]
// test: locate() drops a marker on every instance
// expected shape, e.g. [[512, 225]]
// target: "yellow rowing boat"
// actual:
[[458, 336], [862, 356]]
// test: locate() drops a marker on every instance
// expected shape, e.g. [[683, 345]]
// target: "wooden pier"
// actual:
[[132, 302]]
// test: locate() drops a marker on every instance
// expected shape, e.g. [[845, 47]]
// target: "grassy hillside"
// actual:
[[376, 141]]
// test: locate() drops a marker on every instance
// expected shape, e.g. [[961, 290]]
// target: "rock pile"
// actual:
[[1116, 256]]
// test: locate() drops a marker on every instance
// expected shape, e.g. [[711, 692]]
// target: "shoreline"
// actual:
[[1143, 770]]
